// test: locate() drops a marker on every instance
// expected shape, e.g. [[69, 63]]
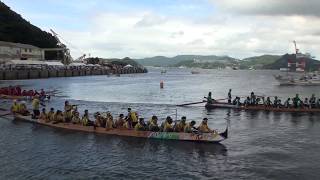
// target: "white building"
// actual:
[[13, 51]]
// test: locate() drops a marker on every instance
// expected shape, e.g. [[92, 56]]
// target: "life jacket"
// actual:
[[126, 125], [50, 116], [204, 128], [15, 108], [67, 111], [139, 127], [109, 123], [43, 116], [85, 120], [180, 127], [36, 104], [188, 128], [133, 116], [167, 127]]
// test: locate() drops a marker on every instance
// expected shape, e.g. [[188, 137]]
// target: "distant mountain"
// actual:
[[282, 62], [257, 62], [163, 61]]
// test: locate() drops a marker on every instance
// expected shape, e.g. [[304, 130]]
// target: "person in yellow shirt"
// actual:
[[15, 107], [86, 120], [132, 117], [67, 111], [203, 128], [23, 109], [58, 117], [43, 115], [140, 126], [51, 115], [180, 126], [168, 125], [36, 107], [109, 123], [153, 124], [76, 118], [189, 127]]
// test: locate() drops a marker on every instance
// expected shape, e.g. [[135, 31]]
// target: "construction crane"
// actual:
[[67, 59]]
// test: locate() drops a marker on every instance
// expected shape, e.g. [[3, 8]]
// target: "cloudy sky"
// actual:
[[144, 28]]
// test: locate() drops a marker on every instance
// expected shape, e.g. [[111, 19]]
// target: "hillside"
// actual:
[[162, 61], [282, 62], [14, 28], [257, 62]]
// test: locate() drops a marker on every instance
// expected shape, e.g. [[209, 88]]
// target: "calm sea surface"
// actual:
[[262, 145]]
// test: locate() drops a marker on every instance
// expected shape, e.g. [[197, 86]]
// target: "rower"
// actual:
[[35, 107], [296, 101], [109, 123], [229, 96], [209, 98], [312, 101], [189, 127], [120, 121], [275, 102], [140, 126], [67, 112], [153, 125], [51, 115], [43, 115], [58, 117], [306, 103], [247, 101], [86, 120], [203, 128], [252, 98], [15, 107], [268, 102], [23, 109], [168, 125], [132, 118], [98, 119], [76, 117], [180, 126], [287, 103]]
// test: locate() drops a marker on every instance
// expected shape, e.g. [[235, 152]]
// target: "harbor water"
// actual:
[[261, 145]]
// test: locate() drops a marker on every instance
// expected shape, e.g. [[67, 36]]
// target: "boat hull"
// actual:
[[259, 108], [204, 137]]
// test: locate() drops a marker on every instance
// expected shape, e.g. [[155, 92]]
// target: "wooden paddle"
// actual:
[[192, 103]]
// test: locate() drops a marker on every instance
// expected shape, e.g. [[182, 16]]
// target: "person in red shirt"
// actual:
[[18, 91]]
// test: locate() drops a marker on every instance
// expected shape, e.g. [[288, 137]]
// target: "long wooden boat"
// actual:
[[259, 107], [203, 137]]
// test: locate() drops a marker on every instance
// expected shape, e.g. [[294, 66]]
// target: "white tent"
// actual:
[[25, 62], [54, 63], [128, 66]]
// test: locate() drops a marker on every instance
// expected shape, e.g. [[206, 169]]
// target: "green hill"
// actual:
[[14, 28], [258, 62], [282, 62], [162, 61]]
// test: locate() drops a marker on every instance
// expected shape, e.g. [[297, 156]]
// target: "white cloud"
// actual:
[[232, 30]]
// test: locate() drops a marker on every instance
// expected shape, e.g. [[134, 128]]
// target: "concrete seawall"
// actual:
[[43, 73]]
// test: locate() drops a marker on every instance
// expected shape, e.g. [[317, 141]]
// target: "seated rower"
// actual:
[[98, 119], [15, 107], [287, 103], [306, 103], [189, 127], [120, 121], [51, 115], [109, 123], [268, 102], [209, 98], [181, 125], [86, 120], [67, 112], [23, 109], [296, 101], [247, 101], [153, 124], [76, 118], [236, 101], [252, 98], [276, 102], [140, 126], [132, 118], [43, 115], [229, 96], [58, 117], [126, 124], [203, 128], [312, 101], [168, 125]]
